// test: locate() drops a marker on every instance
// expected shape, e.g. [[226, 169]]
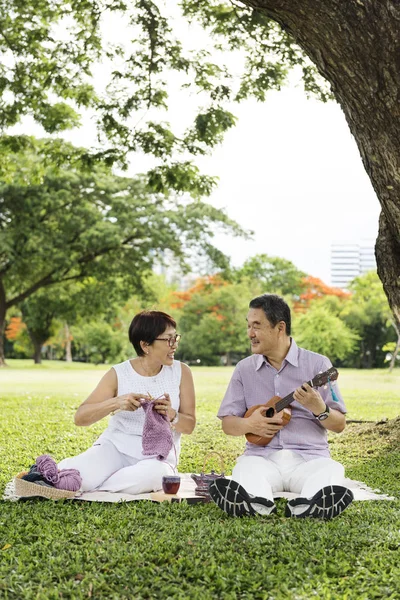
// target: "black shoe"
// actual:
[[34, 476], [233, 499], [326, 504]]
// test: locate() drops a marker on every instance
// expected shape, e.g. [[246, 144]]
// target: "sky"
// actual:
[[290, 171]]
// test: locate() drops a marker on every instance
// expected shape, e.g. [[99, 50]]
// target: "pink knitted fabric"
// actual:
[[157, 434]]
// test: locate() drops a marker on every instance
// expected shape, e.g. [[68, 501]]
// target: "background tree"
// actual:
[[76, 224], [363, 311], [100, 342], [321, 331], [114, 318], [212, 321], [39, 315], [52, 310], [274, 274], [368, 314]]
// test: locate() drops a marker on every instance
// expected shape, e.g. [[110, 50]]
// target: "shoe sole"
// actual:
[[233, 499], [328, 503], [230, 497]]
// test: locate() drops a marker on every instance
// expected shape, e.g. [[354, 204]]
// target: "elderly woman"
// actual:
[[116, 461]]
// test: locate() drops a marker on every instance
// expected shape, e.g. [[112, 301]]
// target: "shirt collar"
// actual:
[[291, 357], [260, 360]]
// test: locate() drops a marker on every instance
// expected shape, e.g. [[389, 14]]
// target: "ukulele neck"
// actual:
[[284, 402]]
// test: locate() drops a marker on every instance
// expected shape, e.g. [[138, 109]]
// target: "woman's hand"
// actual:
[[130, 401], [163, 406]]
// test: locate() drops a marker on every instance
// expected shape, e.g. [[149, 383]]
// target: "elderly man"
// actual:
[[297, 457]]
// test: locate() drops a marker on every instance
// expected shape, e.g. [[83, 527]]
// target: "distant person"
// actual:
[[116, 462], [297, 458]]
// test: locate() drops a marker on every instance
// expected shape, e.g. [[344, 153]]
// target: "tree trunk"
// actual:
[[394, 356], [2, 323], [2, 330], [396, 350], [37, 352], [68, 339], [37, 339], [354, 44]]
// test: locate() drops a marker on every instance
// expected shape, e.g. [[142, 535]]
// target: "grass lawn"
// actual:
[[142, 550]]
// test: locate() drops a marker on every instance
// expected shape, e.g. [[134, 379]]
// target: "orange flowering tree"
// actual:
[[14, 328], [17, 339], [315, 289], [212, 321]]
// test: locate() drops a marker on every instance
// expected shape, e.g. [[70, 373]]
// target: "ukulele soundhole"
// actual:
[[270, 412]]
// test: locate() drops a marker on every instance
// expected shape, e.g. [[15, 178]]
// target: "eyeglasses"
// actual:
[[175, 339]]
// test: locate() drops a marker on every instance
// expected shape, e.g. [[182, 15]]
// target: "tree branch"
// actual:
[[47, 280], [9, 45]]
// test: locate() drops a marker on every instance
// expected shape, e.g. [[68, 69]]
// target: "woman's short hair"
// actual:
[[146, 326], [275, 309]]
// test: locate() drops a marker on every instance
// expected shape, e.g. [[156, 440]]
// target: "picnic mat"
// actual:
[[187, 493]]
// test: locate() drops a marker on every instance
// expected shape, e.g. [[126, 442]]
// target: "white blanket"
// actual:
[[187, 490], [360, 490]]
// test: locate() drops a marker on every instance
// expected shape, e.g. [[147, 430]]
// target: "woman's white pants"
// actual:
[[286, 471], [104, 468]]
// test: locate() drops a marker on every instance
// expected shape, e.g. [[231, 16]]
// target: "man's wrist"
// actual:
[[323, 414], [318, 407]]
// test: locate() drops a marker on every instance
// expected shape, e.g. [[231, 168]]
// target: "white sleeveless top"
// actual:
[[125, 428]]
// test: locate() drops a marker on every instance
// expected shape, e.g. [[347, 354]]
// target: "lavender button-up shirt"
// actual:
[[255, 381]]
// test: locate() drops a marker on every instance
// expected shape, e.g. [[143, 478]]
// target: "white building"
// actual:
[[349, 260]]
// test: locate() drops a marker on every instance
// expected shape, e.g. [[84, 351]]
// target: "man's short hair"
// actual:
[[146, 326], [275, 309]]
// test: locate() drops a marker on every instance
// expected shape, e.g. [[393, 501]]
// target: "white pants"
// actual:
[[286, 471], [103, 467]]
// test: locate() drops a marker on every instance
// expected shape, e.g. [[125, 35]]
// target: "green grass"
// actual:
[[143, 550]]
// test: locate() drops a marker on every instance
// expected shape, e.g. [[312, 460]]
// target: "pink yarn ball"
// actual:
[[69, 479], [47, 466]]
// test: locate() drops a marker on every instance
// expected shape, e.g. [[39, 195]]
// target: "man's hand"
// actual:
[[310, 398], [264, 426]]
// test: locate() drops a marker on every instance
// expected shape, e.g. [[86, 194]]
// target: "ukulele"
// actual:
[[277, 404]]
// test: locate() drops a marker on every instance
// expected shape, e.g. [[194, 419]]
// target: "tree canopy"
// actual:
[[50, 50], [73, 224], [321, 331]]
